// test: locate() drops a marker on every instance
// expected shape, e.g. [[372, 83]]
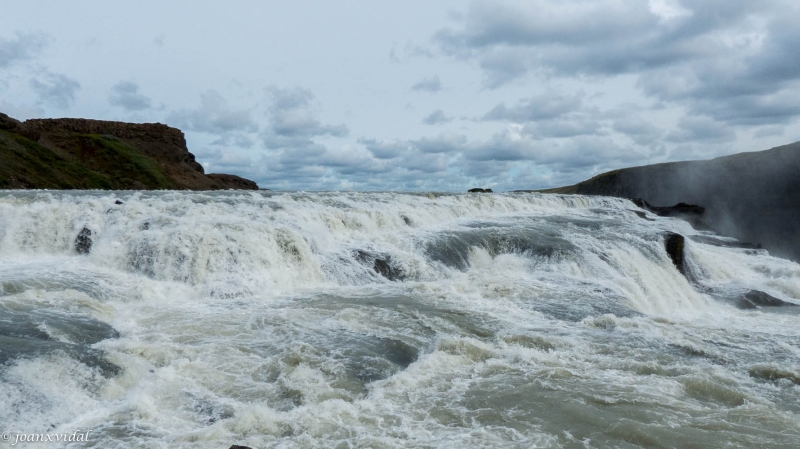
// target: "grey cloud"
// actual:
[[239, 140], [428, 85], [125, 94], [55, 89], [503, 66], [701, 129], [22, 111], [294, 159], [22, 47], [642, 132], [564, 127], [735, 61], [436, 117], [545, 106], [769, 131], [292, 120], [443, 143], [214, 116], [385, 149]]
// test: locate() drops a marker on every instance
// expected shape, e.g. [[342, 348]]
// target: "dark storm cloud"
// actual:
[[125, 94], [735, 61], [436, 117], [428, 85], [55, 89], [21, 47], [213, 116]]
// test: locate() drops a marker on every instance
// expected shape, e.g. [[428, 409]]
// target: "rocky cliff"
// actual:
[[753, 197], [94, 154]]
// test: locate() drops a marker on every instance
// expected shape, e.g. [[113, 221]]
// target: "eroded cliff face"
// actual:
[[73, 153]]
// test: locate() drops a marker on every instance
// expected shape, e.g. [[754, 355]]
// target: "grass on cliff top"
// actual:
[[599, 183], [110, 156], [88, 162]]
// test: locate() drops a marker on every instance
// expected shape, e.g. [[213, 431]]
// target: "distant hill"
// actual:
[[73, 153], [753, 197]]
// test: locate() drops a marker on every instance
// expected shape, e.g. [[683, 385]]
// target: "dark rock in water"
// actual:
[[83, 242], [642, 214], [236, 446], [715, 241], [692, 213], [382, 264], [118, 202], [479, 190], [675, 245], [678, 209], [385, 269], [145, 226], [753, 299], [406, 220], [762, 299]]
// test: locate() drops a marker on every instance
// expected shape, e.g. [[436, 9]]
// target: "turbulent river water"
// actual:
[[386, 320]]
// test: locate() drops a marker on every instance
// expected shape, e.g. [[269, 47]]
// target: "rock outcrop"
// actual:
[[71, 153], [692, 213], [479, 190], [754, 197], [675, 245], [83, 242]]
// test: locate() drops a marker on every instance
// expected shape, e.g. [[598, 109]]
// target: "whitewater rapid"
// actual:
[[297, 319]]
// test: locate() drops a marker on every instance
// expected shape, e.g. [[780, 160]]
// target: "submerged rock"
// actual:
[[675, 245], [761, 299], [716, 241], [83, 242], [381, 264]]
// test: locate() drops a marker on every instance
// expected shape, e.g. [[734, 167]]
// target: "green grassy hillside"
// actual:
[[98, 162]]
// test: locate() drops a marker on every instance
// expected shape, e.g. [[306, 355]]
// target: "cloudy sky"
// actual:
[[417, 95]]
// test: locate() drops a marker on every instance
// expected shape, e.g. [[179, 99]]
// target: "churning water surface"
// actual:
[[386, 320]]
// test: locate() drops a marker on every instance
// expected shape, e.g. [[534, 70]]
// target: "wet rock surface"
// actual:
[[726, 243], [83, 242], [692, 213], [675, 245], [381, 264]]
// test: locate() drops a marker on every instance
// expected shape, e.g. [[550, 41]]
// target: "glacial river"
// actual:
[[384, 320]]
